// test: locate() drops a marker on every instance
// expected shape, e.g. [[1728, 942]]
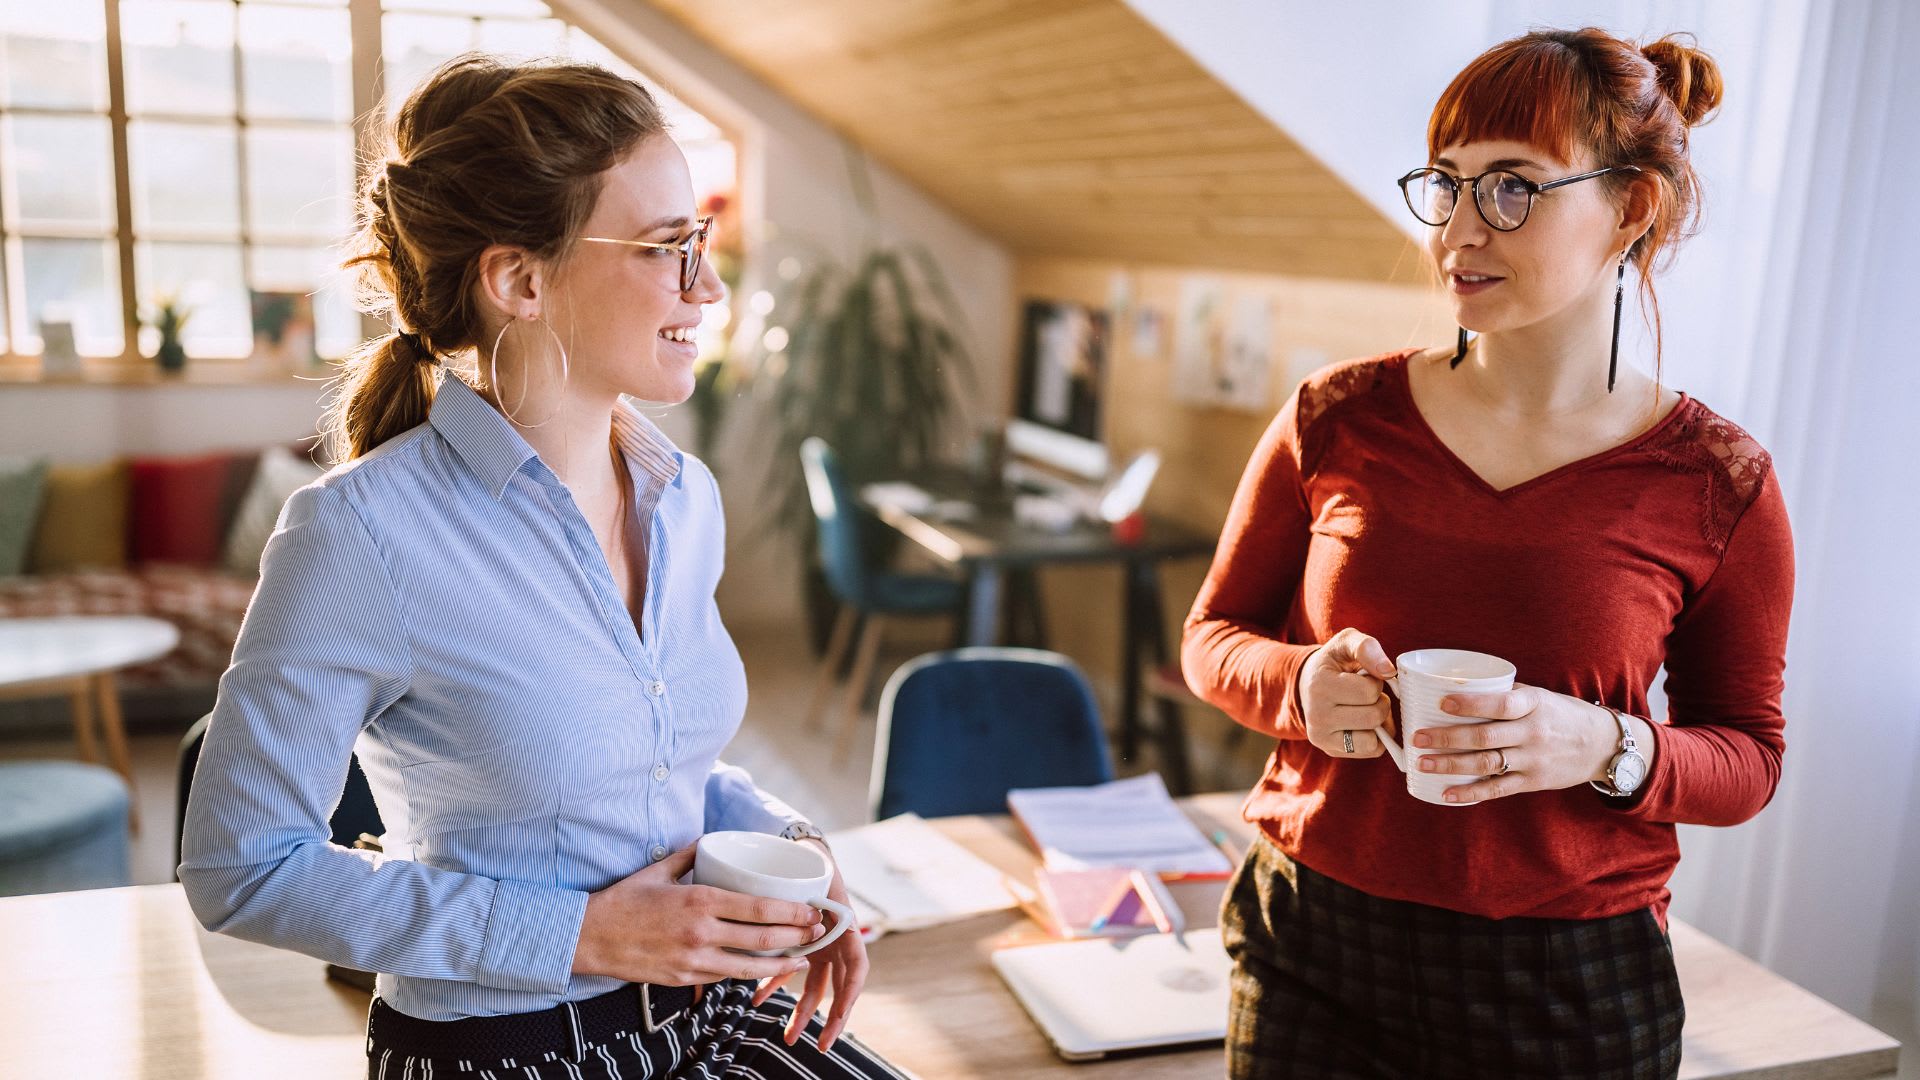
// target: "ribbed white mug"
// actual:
[[761, 865], [1422, 678]]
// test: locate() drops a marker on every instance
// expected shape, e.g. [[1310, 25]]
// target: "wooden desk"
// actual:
[[123, 983], [989, 545]]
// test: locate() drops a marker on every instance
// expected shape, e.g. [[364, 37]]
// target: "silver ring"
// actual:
[[1348, 737], [1503, 763]]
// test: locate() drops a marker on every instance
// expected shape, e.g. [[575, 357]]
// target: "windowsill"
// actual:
[[146, 373]]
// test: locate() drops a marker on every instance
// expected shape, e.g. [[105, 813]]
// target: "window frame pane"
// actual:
[[128, 250]]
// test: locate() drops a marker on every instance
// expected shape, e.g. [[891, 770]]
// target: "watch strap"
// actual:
[[1628, 745], [803, 830]]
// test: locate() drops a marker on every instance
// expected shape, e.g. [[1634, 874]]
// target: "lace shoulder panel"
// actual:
[[1335, 383], [1732, 464]]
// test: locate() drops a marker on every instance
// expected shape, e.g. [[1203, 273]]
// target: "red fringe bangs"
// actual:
[[1525, 92]]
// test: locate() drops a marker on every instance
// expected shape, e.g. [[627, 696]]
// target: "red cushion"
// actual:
[[173, 508]]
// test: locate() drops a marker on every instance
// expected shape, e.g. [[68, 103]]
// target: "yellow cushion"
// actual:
[[83, 520]]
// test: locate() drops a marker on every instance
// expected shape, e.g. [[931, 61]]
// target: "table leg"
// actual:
[[81, 699], [114, 732], [983, 604], [1144, 634]]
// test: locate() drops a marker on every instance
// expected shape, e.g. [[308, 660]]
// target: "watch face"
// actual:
[[1628, 771]]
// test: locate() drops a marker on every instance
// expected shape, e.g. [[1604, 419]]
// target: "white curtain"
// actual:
[[1800, 332]]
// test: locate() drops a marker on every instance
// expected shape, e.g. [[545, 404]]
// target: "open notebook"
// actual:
[[905, 874], [1131, 823]]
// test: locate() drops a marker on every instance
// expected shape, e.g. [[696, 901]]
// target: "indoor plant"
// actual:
[[170, 318], [870, 358]]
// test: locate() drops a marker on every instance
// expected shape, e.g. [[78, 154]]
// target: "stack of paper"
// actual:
[[1130, 823], [905, 874]]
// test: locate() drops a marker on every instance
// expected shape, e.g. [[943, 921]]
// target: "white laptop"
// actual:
[[1096, 996]]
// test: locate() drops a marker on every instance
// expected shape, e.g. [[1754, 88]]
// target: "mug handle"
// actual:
[[1394, 751], [843, 918]]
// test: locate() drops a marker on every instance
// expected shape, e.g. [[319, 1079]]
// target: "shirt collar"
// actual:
[[495, 451], [646, 445]]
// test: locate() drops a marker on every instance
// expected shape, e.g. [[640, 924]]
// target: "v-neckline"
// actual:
[[1473, 477]]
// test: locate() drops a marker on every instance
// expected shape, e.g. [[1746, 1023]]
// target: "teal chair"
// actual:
[[63, 826], [959, 729], [867, 595]]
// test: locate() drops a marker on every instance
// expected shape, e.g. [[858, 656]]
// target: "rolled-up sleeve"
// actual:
[[734, 803], [322, 651]]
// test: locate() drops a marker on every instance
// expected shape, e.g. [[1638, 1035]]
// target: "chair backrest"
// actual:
[[959, 729], [356, 813], [838, 516]]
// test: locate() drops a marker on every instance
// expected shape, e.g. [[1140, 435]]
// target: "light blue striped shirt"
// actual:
[[440, 607]]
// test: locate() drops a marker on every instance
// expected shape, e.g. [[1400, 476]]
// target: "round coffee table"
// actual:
[[76, 656]]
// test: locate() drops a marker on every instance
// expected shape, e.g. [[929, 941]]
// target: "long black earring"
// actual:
[[1613, 355], [1460, 353]]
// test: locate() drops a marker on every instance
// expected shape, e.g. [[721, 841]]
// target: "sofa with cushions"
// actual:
[[177, 538]]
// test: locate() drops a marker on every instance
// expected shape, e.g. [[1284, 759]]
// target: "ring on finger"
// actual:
[[1347, 738], [1504, 766]]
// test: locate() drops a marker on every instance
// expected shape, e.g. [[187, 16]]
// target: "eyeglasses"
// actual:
[[1504, 199], [691, 250]]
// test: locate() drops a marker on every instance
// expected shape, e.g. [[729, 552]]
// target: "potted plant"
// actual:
[[170, 317], [868, 357]]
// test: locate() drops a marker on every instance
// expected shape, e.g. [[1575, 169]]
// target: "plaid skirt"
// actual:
[[1330, 981]]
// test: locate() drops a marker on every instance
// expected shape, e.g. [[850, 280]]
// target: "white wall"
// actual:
[[799, 182], [81, 423]]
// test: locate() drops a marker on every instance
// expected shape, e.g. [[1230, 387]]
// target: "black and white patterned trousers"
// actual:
[[722, 1035]]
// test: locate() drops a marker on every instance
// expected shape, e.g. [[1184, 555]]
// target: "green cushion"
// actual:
[[21, 485]]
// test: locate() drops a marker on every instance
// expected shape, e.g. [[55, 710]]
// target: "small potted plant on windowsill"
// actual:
[[170, 318]]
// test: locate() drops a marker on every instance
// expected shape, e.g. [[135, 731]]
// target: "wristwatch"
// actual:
[[803, 830], [1628, 770]]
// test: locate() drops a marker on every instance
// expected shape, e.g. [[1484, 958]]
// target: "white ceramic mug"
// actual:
[[1422, 678], [761, 865]]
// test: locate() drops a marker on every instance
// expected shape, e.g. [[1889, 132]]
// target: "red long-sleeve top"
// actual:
[[1673, 548]]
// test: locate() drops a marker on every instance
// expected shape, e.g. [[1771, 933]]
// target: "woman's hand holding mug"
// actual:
[[1472, 733], [1341, 697], [647, 927]]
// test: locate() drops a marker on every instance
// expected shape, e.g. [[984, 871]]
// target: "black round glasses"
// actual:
[[1504, 198]]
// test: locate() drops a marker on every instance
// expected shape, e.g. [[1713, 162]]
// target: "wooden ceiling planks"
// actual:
[[1060, 127]]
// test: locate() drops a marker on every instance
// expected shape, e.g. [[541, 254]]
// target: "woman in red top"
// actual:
[[1528, 498]]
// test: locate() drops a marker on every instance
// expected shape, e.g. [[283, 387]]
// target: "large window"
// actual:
[[202, 151]]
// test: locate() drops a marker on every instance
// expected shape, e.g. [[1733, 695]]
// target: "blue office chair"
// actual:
[[865, 593], [355, 815], [959, 729]]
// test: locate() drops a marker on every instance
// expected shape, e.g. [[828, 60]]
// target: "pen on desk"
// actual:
[[1113, 903], [1150, 897], [1220, 841]]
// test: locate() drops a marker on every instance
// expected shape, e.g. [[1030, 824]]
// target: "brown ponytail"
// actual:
[[482, 153]]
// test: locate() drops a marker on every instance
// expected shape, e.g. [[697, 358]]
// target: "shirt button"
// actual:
[[661, 772], [658, 852], [658, 688]]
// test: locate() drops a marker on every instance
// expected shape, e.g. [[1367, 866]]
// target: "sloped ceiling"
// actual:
[[1060, 127]]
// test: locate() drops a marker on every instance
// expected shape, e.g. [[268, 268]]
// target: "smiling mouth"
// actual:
[[1474, 279], [682, 334]]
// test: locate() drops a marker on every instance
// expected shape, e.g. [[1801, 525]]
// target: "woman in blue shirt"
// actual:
[[503, 602]]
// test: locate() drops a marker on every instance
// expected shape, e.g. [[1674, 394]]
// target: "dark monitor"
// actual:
[[1062, 379]]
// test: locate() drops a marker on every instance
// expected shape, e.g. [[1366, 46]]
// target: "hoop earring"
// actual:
[[1460, 352], [1613, 354], [493, 371]]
